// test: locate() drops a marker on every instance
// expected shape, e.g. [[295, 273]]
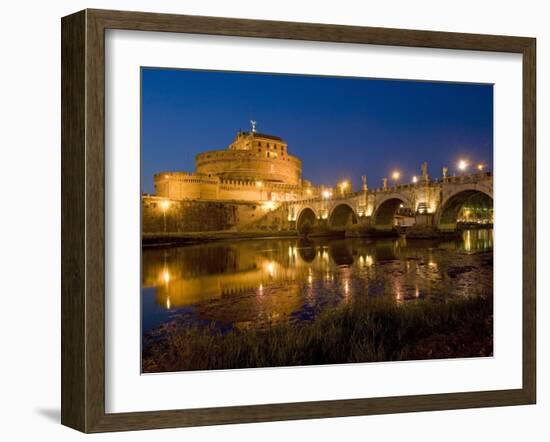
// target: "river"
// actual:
[[256, 283]]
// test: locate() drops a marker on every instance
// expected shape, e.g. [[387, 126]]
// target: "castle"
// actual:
[[254, 167]]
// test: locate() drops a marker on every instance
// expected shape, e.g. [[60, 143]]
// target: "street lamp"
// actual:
[[164, 205], [415, 179], [462, 165], [326, 194], [480, 167], [395, 175]]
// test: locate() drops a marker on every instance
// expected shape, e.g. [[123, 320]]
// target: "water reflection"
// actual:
[[255, 283]]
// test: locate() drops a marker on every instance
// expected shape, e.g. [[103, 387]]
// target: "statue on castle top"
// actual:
[[253, 123]]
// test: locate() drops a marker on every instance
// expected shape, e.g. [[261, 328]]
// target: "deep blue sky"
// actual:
[[340, 127]]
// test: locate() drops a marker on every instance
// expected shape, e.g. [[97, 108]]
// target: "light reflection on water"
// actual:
[[258, 282]]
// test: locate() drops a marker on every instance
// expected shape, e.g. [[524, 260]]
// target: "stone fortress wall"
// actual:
[[198, 216]]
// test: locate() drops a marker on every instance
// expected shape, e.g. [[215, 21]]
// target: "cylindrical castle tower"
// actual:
[[252, 156]]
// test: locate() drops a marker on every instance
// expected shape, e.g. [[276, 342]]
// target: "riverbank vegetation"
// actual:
[[370, 330]]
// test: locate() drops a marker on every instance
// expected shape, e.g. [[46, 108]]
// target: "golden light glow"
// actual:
[[165, 205], [343, 186], [463, 165], [395, 175], [327, 194], [346, 287], [269, 205], [166, 176], [415, 179], [166, 276], [168, 303], [259, 183], [308, 191], [480, 167], [270, 268]]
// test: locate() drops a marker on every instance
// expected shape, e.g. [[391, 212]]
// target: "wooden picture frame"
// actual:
[[83, 220]]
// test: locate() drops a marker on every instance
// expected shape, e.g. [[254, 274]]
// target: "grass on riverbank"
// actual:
[[371, 330]]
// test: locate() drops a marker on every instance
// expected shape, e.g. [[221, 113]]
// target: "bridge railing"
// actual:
[[458, 179]]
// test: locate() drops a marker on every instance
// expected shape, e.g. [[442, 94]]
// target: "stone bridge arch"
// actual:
[[306, 219], [451, 204], [342, 215], [385, 209]]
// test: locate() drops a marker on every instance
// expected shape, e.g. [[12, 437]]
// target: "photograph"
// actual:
[[299, 220]]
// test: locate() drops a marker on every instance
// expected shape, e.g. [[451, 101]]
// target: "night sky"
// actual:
[[339, 127]]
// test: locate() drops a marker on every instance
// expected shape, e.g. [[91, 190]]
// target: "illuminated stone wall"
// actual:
[[184, 216], [182, 185], [251, 164]]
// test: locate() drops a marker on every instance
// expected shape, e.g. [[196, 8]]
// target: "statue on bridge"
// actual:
[[364, 181], [424, 168], [384, 183], [445, 172]]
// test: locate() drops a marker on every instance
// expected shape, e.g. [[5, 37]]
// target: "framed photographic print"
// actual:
[[269, 220]]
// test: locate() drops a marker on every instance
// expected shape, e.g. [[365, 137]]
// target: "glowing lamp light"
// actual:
[[269, 205], [166, 276], [395, 175], [326, 194], [164, 205], [259, 183], [415, 179], [480, 167], [462, 165]]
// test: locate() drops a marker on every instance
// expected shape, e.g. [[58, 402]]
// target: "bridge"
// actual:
[[428, 205]]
